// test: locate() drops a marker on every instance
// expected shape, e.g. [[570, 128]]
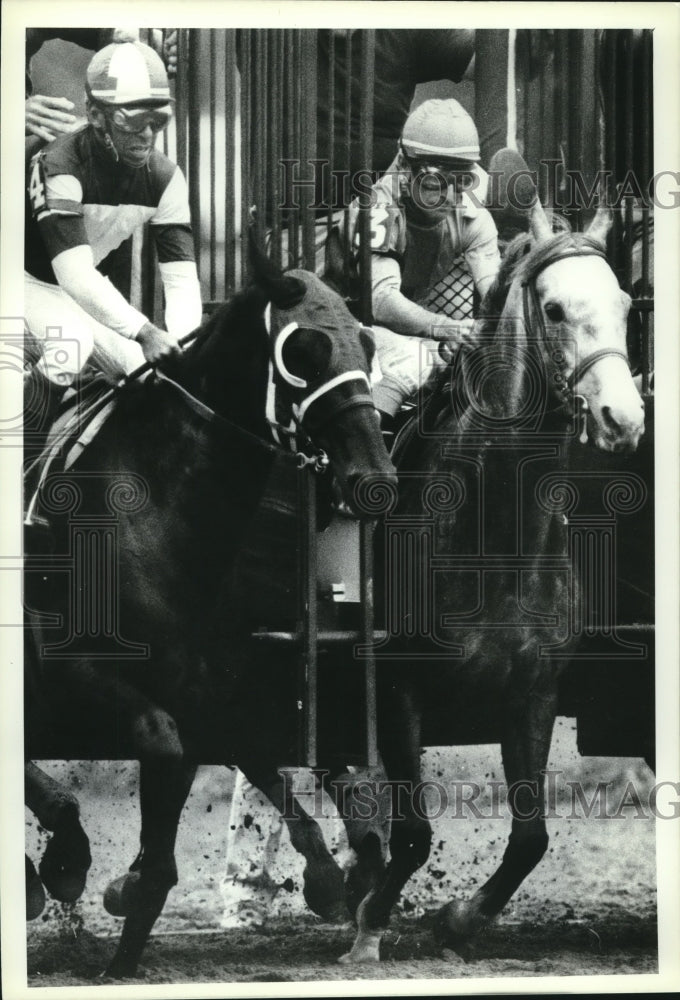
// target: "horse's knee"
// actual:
[[155, 735], [51, 803]]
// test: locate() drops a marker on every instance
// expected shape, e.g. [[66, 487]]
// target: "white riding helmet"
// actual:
[[127, 73], [440, 129]]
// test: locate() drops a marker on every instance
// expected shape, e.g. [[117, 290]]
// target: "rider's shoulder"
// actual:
[[161, 170], [65, 154], [478, 222]]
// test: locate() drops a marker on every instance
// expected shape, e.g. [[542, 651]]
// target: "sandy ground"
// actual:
[[589, 908]]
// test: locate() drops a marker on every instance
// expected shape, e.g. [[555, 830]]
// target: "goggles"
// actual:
[[458, 174], [137, 119]]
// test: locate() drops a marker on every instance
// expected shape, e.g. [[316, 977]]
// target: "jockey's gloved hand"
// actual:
[[157, 343], [455, 332]]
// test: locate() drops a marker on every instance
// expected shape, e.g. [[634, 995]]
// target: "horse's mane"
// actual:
[[522, 256]]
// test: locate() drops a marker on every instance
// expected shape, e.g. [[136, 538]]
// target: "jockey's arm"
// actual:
[[171, 230], [77, 275], [75, 272], [391, 308]]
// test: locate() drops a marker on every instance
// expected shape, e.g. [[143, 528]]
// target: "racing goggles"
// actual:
[[455, 173], [136, 119]]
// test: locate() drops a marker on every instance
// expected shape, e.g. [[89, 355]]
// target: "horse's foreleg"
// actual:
[[141, 894], [525, 746], [323, 880], [66, 861], [410, 839], [363, 802]]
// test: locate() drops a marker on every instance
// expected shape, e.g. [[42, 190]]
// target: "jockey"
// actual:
[[426, 211], [88, 191]]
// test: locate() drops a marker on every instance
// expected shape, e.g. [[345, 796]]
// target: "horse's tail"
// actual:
[[284, 290]]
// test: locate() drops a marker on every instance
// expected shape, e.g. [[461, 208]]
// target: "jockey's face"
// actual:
[[134, 131], [129, 133], [437, 185]]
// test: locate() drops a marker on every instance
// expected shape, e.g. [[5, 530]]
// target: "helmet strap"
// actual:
[[108, 142]]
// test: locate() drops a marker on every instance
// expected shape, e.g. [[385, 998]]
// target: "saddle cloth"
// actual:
[[73, 430]]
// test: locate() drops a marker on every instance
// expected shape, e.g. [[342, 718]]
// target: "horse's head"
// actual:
[[573, 304], [321, 358]]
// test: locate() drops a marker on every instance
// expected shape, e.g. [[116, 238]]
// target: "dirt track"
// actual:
[[297, 951], [589, 908]]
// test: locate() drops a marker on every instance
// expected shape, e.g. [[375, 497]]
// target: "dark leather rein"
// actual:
[[564, 385]]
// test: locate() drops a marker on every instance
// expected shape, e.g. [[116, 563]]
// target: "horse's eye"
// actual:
[[554, 312], [306, 353]]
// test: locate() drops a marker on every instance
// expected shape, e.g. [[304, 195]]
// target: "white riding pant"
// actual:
[[407, 364], [69, 336]]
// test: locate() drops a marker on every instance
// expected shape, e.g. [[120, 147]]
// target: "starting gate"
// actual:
[[251, 137]]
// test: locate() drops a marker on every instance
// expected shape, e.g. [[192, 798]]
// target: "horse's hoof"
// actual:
[[120, 895], [454, 929], [324, 894], [365, 949], [64, 882], [66, 861], [465, 950], [120, 969], [35, 894]]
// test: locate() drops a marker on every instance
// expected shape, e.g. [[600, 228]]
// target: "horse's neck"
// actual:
[[229, 369]]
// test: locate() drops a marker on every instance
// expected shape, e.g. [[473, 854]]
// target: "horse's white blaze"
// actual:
[[595, 312]]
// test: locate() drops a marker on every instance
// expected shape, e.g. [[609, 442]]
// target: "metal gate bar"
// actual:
[[366, 154], [596, 86], [309, 626]]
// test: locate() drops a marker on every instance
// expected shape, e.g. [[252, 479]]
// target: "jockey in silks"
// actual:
[[87, 192], [426, 211]]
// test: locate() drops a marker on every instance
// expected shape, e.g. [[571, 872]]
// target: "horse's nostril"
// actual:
[[609, 419]]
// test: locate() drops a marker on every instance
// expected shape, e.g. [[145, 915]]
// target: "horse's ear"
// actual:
[[538, 221], [283, 290], [600, 225]]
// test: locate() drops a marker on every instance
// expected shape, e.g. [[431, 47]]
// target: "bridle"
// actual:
[[563, 385], [318, 407]]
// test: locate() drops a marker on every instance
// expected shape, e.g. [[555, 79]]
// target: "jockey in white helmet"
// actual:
[[427, 212], [128, 98], [87, 192]]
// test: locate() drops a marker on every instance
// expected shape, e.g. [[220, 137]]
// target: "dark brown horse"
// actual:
[[133, 650], [481, 581]]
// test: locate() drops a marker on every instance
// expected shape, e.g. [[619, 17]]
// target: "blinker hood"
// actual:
[[318, 309]]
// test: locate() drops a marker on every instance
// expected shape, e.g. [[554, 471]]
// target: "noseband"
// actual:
[[563, 385]]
